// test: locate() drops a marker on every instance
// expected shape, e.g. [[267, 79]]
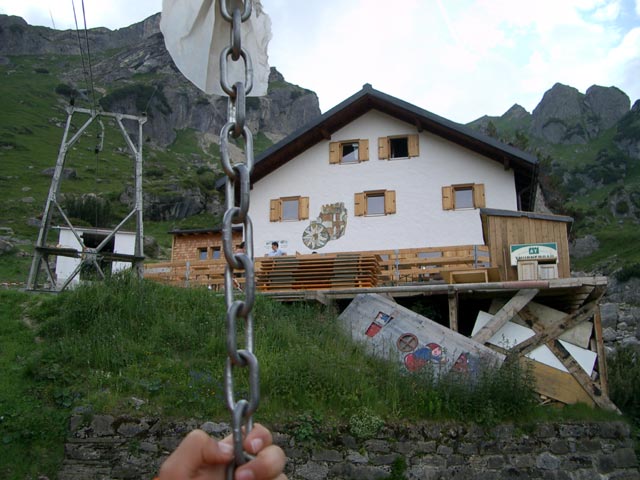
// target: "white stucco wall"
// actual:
[[419, 220]]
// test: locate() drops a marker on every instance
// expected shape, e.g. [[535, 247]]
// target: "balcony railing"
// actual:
[[336, 270]]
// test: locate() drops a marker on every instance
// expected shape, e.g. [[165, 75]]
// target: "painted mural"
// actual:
[[418, 343], [329, 225]]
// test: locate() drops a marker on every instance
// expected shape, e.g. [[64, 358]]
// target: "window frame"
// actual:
[[361, 203], [385, 150], [276, 210], [477, 196], [336, 151]]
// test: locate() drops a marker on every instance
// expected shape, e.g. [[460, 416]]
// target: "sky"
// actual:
[[459, 59]]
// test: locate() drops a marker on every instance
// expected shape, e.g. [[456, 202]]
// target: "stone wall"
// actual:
[[103, 447]]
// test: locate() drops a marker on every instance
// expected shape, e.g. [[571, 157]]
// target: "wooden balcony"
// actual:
[[335, 271]]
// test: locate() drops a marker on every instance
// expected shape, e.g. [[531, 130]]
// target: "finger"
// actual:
[[197, 450], [258, 438], [268, 465]]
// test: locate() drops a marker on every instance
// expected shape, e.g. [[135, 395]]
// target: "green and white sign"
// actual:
[[533, 251]]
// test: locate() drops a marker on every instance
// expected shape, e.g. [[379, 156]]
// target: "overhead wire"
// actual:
[[88, 76]]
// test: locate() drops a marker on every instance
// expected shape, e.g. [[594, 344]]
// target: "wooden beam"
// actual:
[[543, 336], [506, 313], [595, 392], [602, 357], [453, 310]]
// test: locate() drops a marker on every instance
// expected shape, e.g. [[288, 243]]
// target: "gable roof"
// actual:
[[524, 165]]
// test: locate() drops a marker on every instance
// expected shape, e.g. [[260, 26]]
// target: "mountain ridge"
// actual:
[[588, 143]]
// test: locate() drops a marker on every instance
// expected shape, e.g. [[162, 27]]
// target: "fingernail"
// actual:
[[256, 445], [225, 447], [245, 475]]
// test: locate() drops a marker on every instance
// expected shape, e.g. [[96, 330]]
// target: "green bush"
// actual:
[[628, 271], [365, 424], [623, 368]]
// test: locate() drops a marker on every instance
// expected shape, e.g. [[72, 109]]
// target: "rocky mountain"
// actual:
[[588, 143], [131, 72], [171, 101]]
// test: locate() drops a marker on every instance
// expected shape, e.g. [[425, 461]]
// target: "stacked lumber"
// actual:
[[318, 272]]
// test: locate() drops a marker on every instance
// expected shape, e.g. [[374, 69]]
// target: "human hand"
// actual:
[[200, 457]]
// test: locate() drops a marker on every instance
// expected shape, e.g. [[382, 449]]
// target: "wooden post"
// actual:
[[506, 313], [453, 310], [602, 359], [542, 336], [599, 397]]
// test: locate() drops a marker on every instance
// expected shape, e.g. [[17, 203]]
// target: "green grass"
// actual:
[[32, 425], [618, 247], [100, 345]]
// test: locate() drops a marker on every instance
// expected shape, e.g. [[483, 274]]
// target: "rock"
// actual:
[[67, 173], [5, 246], [608, 104], [627, 139], [609, 315], [584, 246], [151, 247], [566, 116]]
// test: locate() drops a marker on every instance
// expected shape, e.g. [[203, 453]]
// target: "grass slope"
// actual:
[[103, 346]]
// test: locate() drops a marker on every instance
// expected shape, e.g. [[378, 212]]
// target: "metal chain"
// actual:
[[237, 212]]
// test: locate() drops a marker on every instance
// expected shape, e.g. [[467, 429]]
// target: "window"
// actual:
[[215, 253], [286, 209], [458, 197], [398, 146], [202, 253], [375, 202], [349, 151]]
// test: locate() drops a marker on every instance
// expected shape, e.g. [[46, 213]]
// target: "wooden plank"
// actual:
[[506, 313], [597, 395], [546, 331], [553, 383], [602, 360]]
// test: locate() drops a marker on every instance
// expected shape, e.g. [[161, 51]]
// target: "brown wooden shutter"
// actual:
[[303, 208], [478, 195], [383, 148], [275, 211], [359, 204], [447, 198], [389, 202], [334, 152], [414, 145], [363, 150]]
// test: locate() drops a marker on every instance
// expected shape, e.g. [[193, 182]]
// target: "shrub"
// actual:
[[623, 368], [622, 207], [365, 424], [628, 271]]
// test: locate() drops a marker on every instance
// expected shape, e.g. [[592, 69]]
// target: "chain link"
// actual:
[[237, 212]]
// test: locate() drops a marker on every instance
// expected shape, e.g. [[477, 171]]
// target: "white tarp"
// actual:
[[195, 33]]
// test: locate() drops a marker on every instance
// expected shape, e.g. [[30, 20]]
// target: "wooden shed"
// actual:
[[527, 245]]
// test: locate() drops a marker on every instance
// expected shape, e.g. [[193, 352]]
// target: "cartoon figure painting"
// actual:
[[429, 354]]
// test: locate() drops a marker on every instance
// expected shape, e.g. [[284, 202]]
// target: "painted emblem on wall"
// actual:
[[329, 225]]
